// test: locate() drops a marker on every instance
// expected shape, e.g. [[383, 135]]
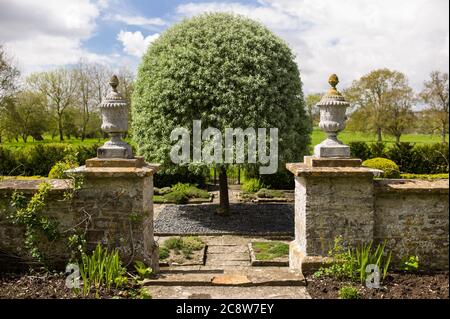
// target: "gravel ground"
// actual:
[[244, 219]]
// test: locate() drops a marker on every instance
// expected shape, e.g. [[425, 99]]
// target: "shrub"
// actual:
[[423, 176], [377, 149], [176, 197], [191, 191], [252, 185], [269, 193], [163, 179], [162, 191], [389, 167], [282, 179], [360, 150], [59, 168], [404, 155], [163, 252], [433, 159], [348, 292]]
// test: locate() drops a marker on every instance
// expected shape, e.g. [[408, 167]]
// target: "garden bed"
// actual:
[[269, 253], [182, 251], [395, 286]]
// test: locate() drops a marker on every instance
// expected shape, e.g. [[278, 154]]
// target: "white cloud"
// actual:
[[42, 34], [134, 43], [137, 20], [352, 37]]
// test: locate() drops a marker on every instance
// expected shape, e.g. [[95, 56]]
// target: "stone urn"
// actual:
[[332, 108], [114, 112]]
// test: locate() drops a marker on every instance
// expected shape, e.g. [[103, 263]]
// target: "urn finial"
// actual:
[[332, 108], [114, 83], [114, 110]]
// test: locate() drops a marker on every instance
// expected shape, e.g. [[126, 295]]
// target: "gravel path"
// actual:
[[244, 219]]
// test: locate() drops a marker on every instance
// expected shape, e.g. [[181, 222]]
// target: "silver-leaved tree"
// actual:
[[226, 71]]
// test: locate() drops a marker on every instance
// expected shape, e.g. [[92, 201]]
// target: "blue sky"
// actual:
[[347, 37]]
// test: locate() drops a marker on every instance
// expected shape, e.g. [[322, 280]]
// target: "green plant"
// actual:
[[58, 170], [176, 197], [101, 268], [360, 150], [30, 215], [423, 176], [142, 269], [77, 246], [269, 193], [410, 263], [191, 191], [348, 292], [270, 250], [164, 252], [351, 263], [185, 245], [389, 168], [252, 185]]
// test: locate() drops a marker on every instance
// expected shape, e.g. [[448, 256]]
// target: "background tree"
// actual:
[[311, 109], [382, 100], [30, 115], [227, 71], [435, 94], [9, 76], [59, 86]]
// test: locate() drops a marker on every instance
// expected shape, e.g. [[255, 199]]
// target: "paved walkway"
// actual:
[[227, 274]]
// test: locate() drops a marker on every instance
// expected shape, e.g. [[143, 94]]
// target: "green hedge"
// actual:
[[411, 158], [39, 159]]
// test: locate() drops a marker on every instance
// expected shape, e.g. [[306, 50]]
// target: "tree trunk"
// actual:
[[223, 188], [61, 135], [379, 137], [443, 133], [397, 138], [239, 175]]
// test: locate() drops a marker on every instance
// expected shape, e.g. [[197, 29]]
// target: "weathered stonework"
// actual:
[[114, 206], [413, 216], [346, 201]]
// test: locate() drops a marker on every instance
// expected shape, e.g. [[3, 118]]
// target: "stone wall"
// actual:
[[113, 207], [413, 216]]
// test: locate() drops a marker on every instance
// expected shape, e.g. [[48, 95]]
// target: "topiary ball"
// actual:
[[226, 71], [389, 167]]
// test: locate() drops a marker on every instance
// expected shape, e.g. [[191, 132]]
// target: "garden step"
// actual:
[[264, 276]]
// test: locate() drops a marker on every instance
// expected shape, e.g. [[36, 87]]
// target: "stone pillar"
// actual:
[[117, 195], [117, 190], [334, 195]]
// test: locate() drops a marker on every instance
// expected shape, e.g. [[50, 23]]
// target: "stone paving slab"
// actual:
[[217, 258], [226, 292]]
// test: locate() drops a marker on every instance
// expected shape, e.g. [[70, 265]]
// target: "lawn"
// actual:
[[345, 136]]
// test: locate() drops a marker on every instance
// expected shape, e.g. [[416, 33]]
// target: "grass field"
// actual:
[[347, 137], [316, 137]]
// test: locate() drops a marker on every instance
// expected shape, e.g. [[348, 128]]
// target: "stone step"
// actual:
[[267, 276]]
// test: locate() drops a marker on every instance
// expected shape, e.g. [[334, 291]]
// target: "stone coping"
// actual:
[[137, 162], [411, 186], [302, 169], [31, 185], [146, 170]]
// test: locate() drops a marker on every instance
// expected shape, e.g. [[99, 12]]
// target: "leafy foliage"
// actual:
[[252, 185], [59, 168], [101, 268], [389, 167], [348, 292], [222, 69], [410, 263], [185, 245], [351, 263], [30, 215], [142, 269]]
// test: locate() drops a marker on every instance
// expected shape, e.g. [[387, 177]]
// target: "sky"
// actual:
[[346, 37]]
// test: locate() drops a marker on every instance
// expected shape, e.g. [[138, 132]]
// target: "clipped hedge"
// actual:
[[40, 159], [410, 158], [389, 167]]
